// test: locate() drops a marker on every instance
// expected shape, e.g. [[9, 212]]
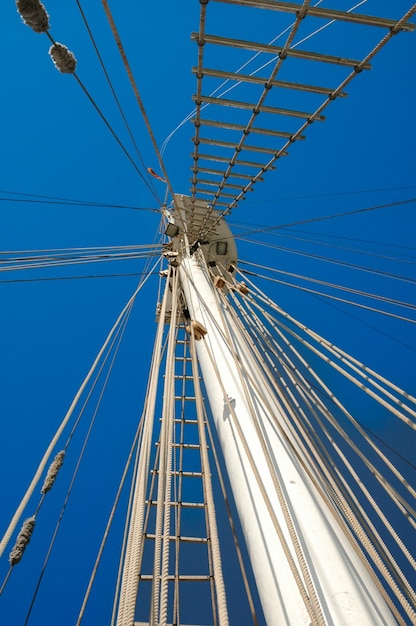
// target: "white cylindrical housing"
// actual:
[[347, 593]]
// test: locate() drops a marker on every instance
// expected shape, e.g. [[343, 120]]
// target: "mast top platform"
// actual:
[[198, 226]]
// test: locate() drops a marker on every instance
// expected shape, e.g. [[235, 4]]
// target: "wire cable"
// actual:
[[114, 93], [136, 91]]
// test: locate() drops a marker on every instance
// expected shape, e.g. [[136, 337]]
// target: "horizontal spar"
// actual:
[[227, 144], [276, 50], [258, 80], [237, 104], [331, 14], [241, 128], [220, 159], [208, 170]]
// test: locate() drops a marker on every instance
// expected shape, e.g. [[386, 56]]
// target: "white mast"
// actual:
[[305, 567]]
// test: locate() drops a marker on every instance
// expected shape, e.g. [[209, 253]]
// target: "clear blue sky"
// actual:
[[53, 143]]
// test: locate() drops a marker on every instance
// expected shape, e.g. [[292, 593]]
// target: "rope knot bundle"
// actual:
[[34, 14], [53, 470], [63, 58], [22, 540]]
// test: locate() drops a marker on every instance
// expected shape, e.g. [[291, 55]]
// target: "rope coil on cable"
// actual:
[[22, 540], [63, 59], [33, 14], [53, 470]]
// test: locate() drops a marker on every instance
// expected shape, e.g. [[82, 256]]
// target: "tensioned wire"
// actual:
[[320, 218], [324, 244], [367, 373], [93, 255], [49, 200], [336, 298], [59, 278], [274, 346], [133, 83], [324, 283], [371, 377], [159, 594], [158, 352], [150, 181], [399, 577], [295, 410], [136, 500], [332, 194], [403, 602], [110, 254], [81, 249], [320, 340], [402, 504], [115, 342], [282, 333], [81, 261], [355, 266], [110, 128], [16, 517], [133, 551]]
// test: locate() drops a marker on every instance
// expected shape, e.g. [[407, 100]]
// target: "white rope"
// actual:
[[394, 494], [168, 418], [110, 520], [232, 525], [209, 498], [318, 616], [286, 549], [355, 524], [329, 361], [278, 529], [132, 557], [324, 283], [292, 371]]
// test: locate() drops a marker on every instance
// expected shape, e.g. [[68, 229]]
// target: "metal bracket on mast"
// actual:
[[217, 247]]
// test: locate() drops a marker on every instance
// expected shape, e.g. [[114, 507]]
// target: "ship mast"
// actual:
[[305, 568], [308, 569]]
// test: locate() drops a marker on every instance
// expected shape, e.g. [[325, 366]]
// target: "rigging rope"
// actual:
[[336, 298], [116, 341], [159, 598], [114, 93], [134, 546], [136, 442], [231, 522], [321, 218], [307, 594], [136, 91], [327, 284], [305, 388], [400, 578], [15, 519], [206, 472]]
